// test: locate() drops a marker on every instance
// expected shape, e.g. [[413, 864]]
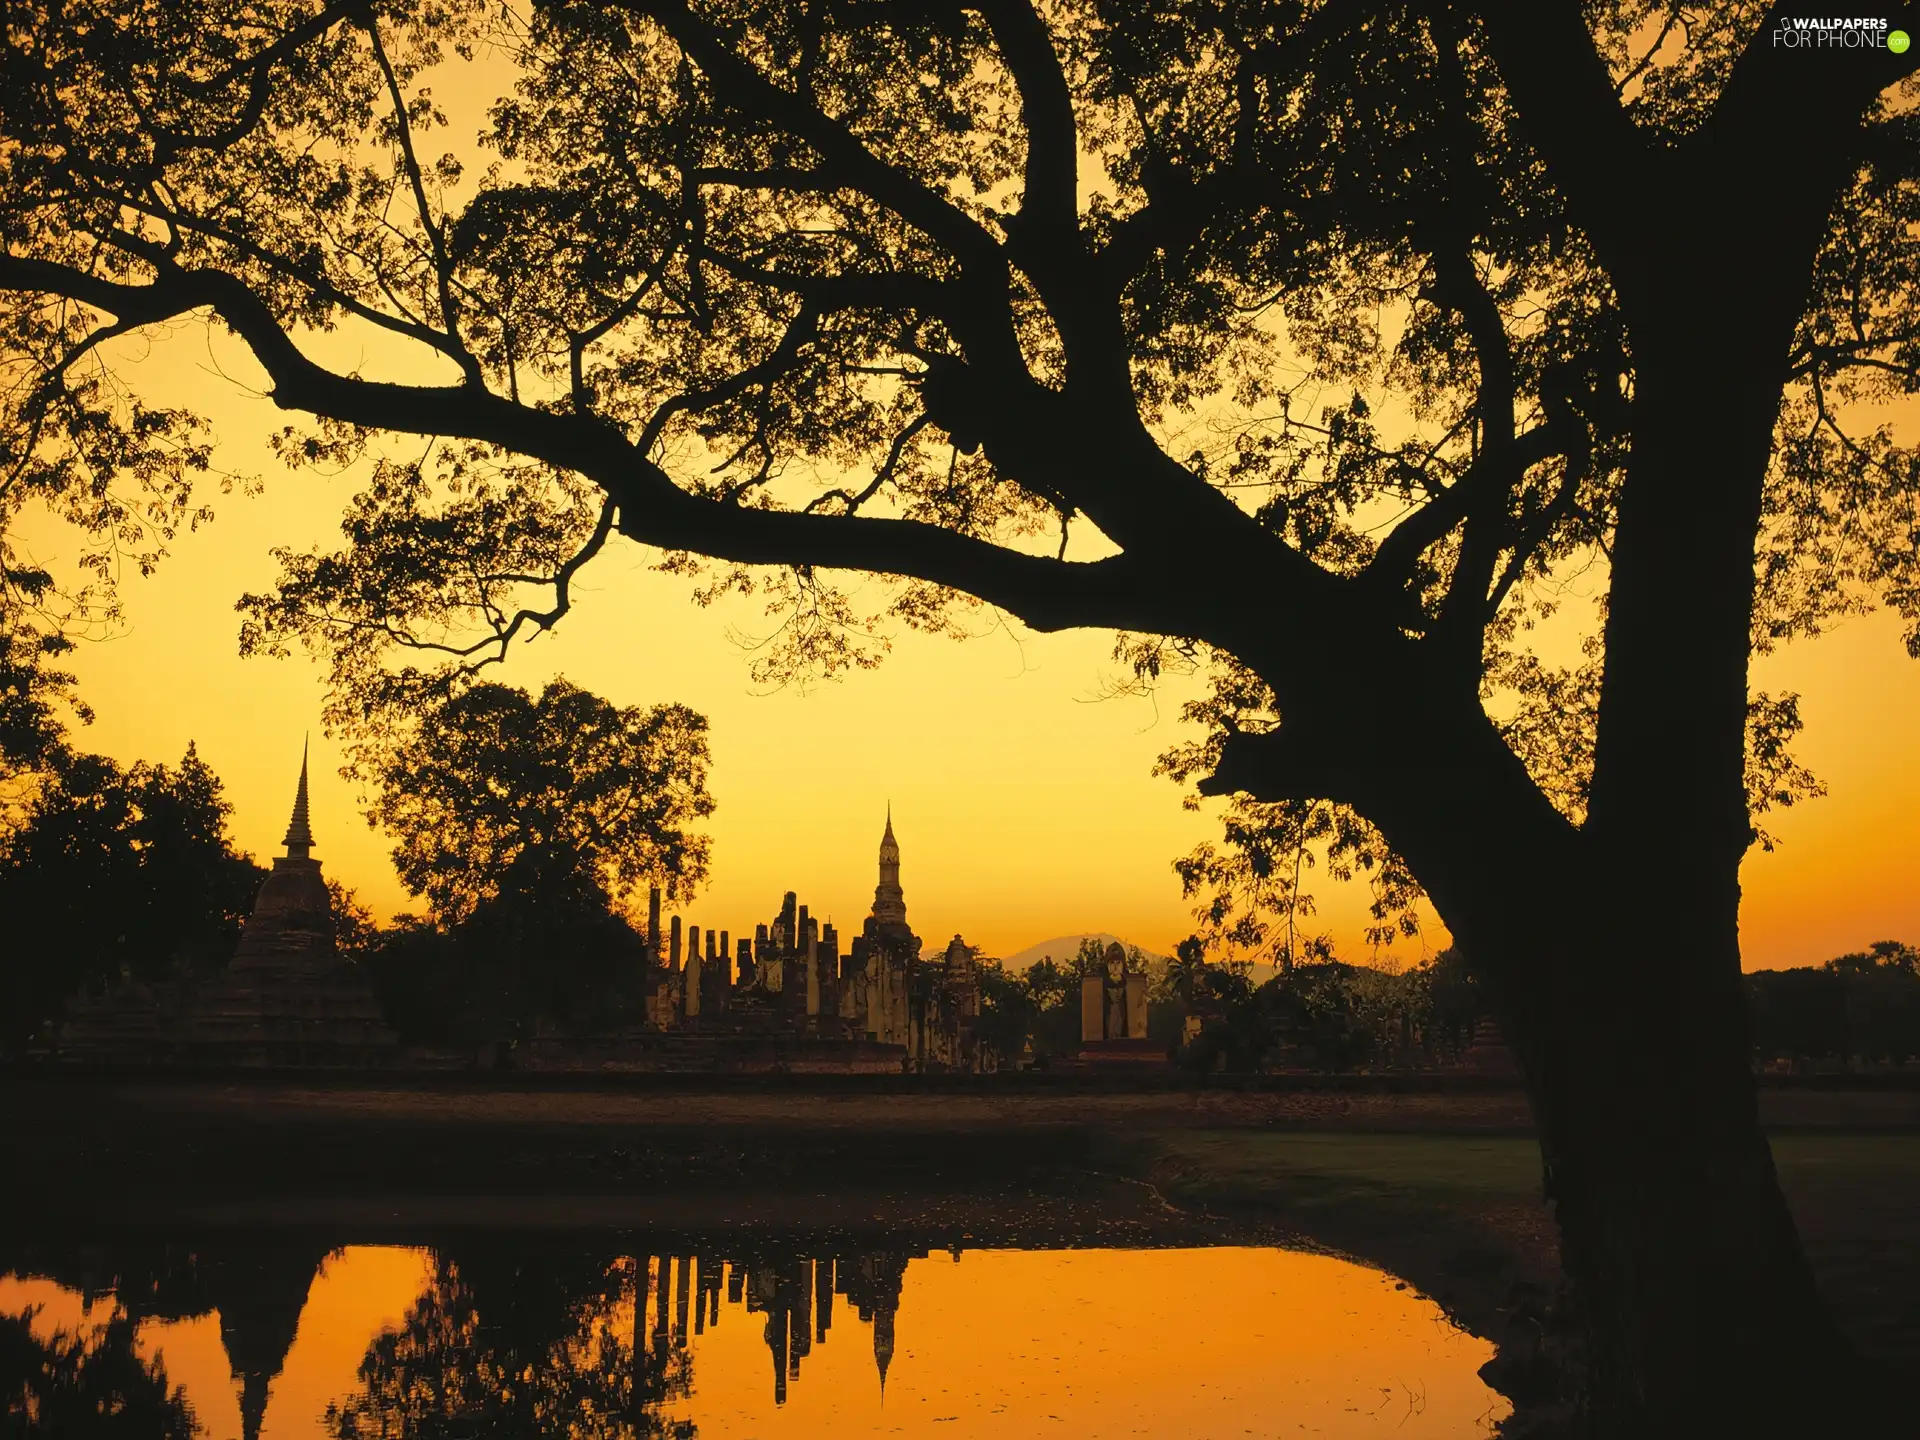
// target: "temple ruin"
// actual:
[[788, 998], [1113, 1014], [286, 1000]]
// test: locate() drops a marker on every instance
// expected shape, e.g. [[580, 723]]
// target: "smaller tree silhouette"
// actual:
[[110, 872], [94, 1387], [495, 793]]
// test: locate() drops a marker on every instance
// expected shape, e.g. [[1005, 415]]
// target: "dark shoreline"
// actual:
[[1118, 1081]]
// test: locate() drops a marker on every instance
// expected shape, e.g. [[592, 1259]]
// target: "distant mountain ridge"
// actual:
[[1064, 947]]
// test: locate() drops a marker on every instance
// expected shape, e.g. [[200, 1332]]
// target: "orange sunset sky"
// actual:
[[1023, 801]]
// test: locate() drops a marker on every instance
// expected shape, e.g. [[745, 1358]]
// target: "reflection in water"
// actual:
[[483, 1338], [62, 1383]]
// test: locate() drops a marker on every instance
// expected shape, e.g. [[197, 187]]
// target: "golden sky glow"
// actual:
[[1023, 801]]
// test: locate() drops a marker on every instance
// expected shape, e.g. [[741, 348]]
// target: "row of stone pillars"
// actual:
[[796, 961]]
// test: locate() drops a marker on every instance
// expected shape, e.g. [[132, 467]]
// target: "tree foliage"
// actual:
[[36, 697], [534, 1349], [87, 1387], [496, 792], [1858, 1009], [117, 872], [1335, 347], [1321, 1015], [804, 288], [516, 960]]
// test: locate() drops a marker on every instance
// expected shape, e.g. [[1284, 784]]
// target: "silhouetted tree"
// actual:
[[496, 793], [1799, 1015], [1858, 1008], [1881, 957], [913, 290], [94, 1387], [1089, 959], [494, 1347], [1051, 984], [1055, 989], [355, 932], [555, 953], [1455, 1005], [35, 699], [524, 822], [1007, 1012], [114, 872], [1186, 976]]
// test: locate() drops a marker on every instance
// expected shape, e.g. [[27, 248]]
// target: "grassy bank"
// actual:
[[1460, 1216]]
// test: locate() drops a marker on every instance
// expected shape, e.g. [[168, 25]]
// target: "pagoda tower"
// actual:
[[889, 901], [287, 998], [290, 935], [885, 953]]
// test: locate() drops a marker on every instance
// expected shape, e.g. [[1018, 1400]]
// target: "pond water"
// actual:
[[285, 1341]]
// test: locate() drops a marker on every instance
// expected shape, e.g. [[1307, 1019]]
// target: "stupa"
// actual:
[[287, 999]]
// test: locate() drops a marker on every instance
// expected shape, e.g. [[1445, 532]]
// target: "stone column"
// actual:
[[1093, 1007], [1136, 1007], [829, 971], [682, 1286], [714, 974], [663, 1279], [670, 981], [877, 1008], [813, 975], [650, 982], [700, 1279], [822, 1296], [777, 1343], [900, 998], [793, 972], [690, 979], [746, 963]]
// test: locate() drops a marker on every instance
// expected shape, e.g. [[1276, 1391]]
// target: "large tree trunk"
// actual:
[[1621, 990], [1699, 1311], [1619, 960]]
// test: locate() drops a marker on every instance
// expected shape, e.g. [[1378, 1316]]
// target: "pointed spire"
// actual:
[[253, 1404], [883, 1347], [299, 837]]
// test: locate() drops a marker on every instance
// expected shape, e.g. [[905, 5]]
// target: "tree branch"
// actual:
[[1567, 107], [1045, 234], [258, 71], [1489, 474], [1457, 283], [1121, 592], [841, 152], [436, 237]]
